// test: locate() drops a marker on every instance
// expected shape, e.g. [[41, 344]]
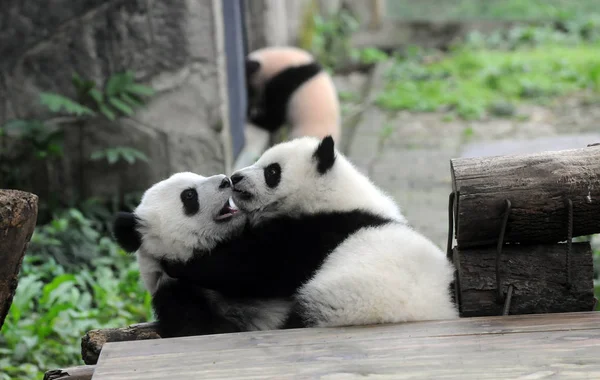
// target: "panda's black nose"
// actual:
[[225, 183], [237, 177]]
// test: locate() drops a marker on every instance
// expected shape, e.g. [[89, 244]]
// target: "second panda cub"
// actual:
[[179, 217], [323, 233]]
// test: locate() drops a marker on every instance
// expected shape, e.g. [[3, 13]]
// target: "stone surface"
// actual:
[[408, 154], [168, 45]]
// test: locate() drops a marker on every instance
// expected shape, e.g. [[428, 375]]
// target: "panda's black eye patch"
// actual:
[[273, 175], [189, 198]]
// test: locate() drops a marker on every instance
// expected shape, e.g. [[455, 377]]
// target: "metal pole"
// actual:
[[233, 24]]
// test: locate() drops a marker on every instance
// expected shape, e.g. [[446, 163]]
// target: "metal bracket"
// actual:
[[569, 240], [507, 211], [507, 300]]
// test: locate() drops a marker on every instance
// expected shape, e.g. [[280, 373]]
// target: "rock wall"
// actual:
[[169, 44]]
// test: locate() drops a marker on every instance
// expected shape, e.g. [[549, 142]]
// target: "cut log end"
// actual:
[[92, 342], [538, 186], [18, 216], [84, 372]]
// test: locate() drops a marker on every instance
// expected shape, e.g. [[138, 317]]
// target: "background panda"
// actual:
[[181, 216], [322, 232], [286, 86]]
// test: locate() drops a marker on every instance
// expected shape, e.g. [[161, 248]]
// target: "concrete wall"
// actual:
[[171, 45]]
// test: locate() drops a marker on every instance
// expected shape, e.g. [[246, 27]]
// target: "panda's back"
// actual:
[[383, 274]]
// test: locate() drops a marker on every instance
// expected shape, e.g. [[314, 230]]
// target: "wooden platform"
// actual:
[[558, 346]]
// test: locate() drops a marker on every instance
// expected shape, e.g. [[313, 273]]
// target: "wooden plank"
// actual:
[[538, 275], [94, 340], [538, 186], [565, 345], [18, 216]]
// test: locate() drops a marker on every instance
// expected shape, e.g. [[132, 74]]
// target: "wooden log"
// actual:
[[537, 185], [83, 372], [536, 272], [18, 216], [93, 340]]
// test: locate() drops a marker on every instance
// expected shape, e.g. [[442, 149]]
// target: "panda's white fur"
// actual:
[[159, 229], [312, 107], [383, 273], [303, 190], [165, 230], [380, 275]]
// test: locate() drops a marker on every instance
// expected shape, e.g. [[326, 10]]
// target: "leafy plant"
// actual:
[[58, 299], [121, 94], [112, 155], [369, 55], [58, 103], [54, 307], [331, 38], [474, 82], [45, 141]]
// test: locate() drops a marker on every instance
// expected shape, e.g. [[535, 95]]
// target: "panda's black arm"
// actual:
[[275, 259], [238, 268]]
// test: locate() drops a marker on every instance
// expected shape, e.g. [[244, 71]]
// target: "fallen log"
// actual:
[[537, 273], [538, 187], [93, 340], [18, 216], [83, 372]]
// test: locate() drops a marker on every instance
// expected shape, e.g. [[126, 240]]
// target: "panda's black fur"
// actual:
[[271, 106], [274, 258]]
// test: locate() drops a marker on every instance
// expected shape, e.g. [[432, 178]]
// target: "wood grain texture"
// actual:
[[561, 345], [537, 185], [93, 340], [18, 216], [83, 372], [538, 275]]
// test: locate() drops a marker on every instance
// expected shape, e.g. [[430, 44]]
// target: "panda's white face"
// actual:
[[306, 175], [185, 212]]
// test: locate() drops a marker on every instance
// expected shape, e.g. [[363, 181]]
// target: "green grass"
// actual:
[[490, 9], [472, 81]]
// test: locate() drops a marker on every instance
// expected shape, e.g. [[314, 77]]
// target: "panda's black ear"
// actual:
[[125, 231], [325, 155], [252, 67]]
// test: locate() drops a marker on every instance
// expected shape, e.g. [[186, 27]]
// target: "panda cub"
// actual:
[[285, 85], [182, 216], [323, 233]]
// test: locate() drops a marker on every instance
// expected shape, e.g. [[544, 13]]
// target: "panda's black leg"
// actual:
[[295, 319], [184, 310]]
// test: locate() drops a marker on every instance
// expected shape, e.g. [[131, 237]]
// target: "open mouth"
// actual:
[[244, 195], [228, 210]]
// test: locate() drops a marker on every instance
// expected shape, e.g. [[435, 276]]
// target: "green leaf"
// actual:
[[56, 103], [128, 156], [139, 89], [131, 100], [112, 156], [48, 289], [96, 95], [118, 82], [107, 112], [118, 104], [83, 86], [97, 155], [141, 155]]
